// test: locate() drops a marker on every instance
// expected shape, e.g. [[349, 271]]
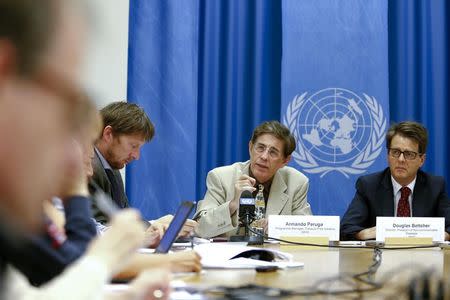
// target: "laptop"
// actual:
[[175, 226]]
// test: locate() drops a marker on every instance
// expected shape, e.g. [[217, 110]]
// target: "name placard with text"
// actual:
[[395, 227], [304, 226]]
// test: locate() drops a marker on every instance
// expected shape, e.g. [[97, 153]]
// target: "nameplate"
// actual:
[[408, 241], [304, 226], [417, 228]]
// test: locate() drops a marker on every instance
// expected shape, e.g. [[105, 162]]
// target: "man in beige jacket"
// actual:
[[285, 189]]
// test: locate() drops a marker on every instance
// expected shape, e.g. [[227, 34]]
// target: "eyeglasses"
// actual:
[[408, 155], [274, 153]]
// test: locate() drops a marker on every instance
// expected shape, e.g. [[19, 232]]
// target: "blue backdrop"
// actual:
[[419, 65], [208, 71], [162, 78], [335, 94]]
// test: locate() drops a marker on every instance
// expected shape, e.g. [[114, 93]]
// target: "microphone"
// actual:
[[246, 208], [246, 217]]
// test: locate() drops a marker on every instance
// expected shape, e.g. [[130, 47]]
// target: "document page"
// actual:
[[220, 255]]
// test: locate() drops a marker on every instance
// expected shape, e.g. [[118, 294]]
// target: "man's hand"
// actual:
[[185, 261], [367, 234], [447, 236], [160, 225], [152, 238], [158, 228], [243, 183], [188, 228], [124, 237]]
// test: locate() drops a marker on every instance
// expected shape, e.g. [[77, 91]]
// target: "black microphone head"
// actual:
[[246, 194], [246, 205]]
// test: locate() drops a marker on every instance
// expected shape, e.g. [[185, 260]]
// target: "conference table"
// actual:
[[329, 273]]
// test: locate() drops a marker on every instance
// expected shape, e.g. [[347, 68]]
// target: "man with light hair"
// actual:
[[126, 128]]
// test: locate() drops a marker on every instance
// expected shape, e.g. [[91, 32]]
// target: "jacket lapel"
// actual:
[[419, 195], [386, 195], [277, 197], [100, 175], [245, 168]]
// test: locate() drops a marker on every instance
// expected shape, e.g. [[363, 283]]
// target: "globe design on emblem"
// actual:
[[334, 125]]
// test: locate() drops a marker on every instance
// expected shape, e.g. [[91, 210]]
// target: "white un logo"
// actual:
[[336, 130]]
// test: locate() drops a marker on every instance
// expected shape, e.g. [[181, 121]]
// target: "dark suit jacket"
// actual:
[[39, 261], [375, 197], [101, 180]]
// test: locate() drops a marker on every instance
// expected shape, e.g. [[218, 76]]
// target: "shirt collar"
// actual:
[[266, 184], [397, 186], [103, 161]]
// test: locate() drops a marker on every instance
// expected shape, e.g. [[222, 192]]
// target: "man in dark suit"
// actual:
[[126, 128], [401, 190]]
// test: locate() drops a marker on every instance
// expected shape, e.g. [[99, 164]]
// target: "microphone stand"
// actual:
[[251, 239]]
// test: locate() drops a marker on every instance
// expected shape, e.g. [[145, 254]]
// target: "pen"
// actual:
[[104, 201], [105, 204], [219, 239]]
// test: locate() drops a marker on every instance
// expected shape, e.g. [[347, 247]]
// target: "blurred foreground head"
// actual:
[[41, 45]]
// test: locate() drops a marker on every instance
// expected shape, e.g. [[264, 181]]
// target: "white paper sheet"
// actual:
[[219, 255]]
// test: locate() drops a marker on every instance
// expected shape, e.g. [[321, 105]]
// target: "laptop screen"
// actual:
[[175, 226]]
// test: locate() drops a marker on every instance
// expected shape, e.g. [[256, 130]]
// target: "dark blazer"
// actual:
[[375, 197], [40, 261], [101, 180]]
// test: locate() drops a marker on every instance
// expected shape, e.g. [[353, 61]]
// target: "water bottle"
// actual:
[[260, 205]]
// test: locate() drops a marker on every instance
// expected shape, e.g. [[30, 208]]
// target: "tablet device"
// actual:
[[175, 226]]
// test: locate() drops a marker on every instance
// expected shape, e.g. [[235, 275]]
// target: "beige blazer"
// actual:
[[287, 197]]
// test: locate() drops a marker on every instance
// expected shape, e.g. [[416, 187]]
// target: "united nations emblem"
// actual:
[[336, 130]]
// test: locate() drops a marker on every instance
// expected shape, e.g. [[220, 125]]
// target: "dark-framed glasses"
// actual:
[[408, 155]]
